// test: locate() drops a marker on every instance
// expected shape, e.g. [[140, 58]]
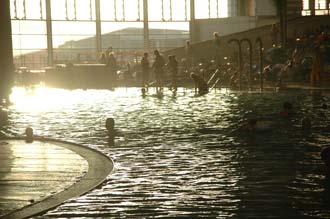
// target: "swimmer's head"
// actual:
[[110, 123], [325, 155], [143, 91], [29, 134]]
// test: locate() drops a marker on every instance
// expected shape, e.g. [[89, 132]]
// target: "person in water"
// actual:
[[172, 66], [110, 126], [200, 84], [29, 135], [325, 156], [158, 67], [256, 125], [287, 109]]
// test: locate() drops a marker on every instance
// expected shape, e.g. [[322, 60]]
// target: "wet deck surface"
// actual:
[[31, 173]]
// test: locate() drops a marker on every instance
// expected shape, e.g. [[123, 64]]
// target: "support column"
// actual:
[[282, 7], [50, 50], [6, 53], [98, 27], [192, 24], [146, 26], [312, 7]]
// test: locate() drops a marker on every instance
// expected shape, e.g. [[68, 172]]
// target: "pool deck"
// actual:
[[38, 176]]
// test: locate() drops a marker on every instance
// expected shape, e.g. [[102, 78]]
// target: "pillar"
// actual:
[[50, 51], [193, 30], [146, 26], [6, 52], [98, 27]]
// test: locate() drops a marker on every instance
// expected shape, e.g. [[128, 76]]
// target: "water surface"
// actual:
[[176, 156]]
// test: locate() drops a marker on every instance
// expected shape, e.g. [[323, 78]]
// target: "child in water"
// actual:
[[110, 126], [200, 84]]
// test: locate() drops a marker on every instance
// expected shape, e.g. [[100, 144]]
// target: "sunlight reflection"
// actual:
[[39, 99]]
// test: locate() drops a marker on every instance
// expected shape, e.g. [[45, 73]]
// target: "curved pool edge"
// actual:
[[99, 168]]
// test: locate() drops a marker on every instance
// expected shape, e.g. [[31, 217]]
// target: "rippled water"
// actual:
[[175, 156]]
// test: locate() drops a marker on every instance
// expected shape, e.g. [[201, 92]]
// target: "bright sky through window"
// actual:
[[75, 19]]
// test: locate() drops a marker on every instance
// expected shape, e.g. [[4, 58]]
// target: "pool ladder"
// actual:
[[214, 80]]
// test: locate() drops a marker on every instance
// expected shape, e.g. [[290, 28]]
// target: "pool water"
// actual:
[[176, 156]]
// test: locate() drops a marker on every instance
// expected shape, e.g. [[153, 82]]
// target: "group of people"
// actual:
[[108, 58], [159, 67]]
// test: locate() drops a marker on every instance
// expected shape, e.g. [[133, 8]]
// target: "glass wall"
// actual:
[[316, 7], [29, 33], [206, 9], [79, 30]]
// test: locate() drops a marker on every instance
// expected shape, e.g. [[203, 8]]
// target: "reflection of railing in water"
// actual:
[[261, 63]]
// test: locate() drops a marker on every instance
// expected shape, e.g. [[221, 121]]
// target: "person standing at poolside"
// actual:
[[189, 54], [145, 69], [158, 67], [112, 65], [315, 75], [172, 66], [217, 48]]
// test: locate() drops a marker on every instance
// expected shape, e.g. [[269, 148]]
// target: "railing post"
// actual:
[[239, 60], [250, 59]]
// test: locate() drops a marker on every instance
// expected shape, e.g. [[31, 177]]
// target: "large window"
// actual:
[[29, 33], [211, 9], [79, 30], [321, 7]]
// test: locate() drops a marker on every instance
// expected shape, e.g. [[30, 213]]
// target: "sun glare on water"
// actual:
[[40, 99]]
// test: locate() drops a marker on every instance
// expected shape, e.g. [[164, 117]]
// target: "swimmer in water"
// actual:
[[200, 84], [110, 126], [29, 135], [255, 125], [287, 109], [325, 156]]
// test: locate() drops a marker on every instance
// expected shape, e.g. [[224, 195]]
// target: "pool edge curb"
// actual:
[[100, 167]]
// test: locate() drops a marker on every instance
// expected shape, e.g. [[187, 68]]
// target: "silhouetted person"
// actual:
[[325, 156], [217, 47], [3, 116], [253, 125], [189, 54], [287, 109], [158, 67], [103, 58], [128, 73], [112, 65], [29, 135], [315, 75], [274, 32], [143, 92], [110, 126], [173, 66], [200, 84], [145, 70]]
